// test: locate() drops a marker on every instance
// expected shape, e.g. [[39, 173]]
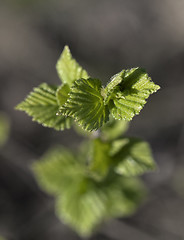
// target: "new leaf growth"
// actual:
[[100, 181], [85, 100]]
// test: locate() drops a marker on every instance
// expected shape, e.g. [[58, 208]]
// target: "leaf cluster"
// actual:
[[84, 99], [101, 180], [89, 192]]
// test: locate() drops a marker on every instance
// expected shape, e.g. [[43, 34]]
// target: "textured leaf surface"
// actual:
[[57, 170], [85, 104], [132, 157], [42, 105], [86, 206], [68, 69], [130, 95]]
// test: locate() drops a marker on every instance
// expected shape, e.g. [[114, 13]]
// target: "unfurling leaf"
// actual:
[[68, 69], [86, 104], [42, 105], [99, 182], [128, 96], [132, 157]]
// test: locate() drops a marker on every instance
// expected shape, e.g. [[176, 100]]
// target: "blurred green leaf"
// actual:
[[82, 207], [42, 105], [57, 170], [132, 157], [100, 158], [177, 181], [79, 130], [2, 238], [81, 201], [85, 104], [124, 196], [4, 128], [68, 69], [85, 207], [113, 129]]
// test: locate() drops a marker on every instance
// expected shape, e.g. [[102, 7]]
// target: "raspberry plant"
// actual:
[[101, 180]]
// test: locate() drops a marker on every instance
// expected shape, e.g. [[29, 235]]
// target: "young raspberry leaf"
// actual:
[[42, 106], [132, 157], [128, 97], [86, 104], [68, 69]]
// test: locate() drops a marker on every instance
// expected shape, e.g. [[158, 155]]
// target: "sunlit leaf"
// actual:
[[85, 104], [42, 106], [68, 69], [129, 96]]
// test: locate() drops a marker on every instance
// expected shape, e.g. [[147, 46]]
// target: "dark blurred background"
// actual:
[[104, 36]]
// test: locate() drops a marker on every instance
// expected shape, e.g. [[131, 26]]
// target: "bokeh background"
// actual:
[[104, 36]]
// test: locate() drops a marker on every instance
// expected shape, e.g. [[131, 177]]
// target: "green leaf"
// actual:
[[129, 96], [112, 85], [62, 94], [113, 129], [124, 196], [100, 159], [132, 157], [68, 69], [4, 128], [81, 201], [85, 104], [41, 104], [82, 207], [57, 170], [86, 206]]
